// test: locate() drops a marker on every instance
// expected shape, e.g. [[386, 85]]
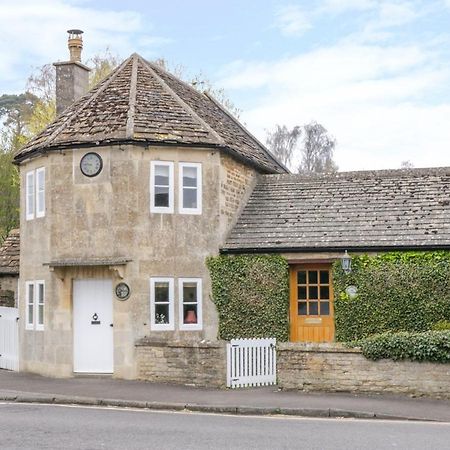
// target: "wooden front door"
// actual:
[[311, 309]]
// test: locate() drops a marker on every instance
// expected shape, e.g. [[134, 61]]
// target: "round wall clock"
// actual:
[[122, 291], [91, 164]]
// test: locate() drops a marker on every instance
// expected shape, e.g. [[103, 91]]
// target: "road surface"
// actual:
[[35, 426]]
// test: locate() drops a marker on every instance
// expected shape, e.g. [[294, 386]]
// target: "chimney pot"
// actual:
[[75, 44]]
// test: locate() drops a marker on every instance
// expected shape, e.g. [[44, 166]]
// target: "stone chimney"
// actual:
[[72, 77]]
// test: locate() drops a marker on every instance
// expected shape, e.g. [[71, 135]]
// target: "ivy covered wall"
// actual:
[[251, 293], [396, 291]]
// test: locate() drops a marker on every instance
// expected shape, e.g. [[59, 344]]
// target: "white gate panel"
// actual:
[[251, 362], [9, 338]]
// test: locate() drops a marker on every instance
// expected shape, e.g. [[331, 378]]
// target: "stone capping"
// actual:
[[151, 342], [314, 347]]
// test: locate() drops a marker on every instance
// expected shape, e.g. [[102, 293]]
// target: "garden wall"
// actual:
[[199, 364], [335, 368]]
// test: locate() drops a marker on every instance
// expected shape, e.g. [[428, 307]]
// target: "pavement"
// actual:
[[268, 400]]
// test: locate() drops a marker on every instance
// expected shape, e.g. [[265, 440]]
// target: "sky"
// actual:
[[375, 73]]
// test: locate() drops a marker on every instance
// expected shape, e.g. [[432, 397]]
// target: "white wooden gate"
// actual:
[[9, 338], [251, 362]]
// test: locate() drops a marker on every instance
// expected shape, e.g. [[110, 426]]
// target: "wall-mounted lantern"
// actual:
[[346, 262]]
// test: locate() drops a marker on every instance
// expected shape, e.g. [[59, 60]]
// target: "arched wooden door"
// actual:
[[311, 303]]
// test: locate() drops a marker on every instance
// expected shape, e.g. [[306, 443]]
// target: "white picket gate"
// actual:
[[9, 338], [251, 362]]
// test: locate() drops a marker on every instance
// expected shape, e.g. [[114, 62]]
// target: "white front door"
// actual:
[[92, 326]]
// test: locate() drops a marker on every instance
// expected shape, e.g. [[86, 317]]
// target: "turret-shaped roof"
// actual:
[[141, 102]]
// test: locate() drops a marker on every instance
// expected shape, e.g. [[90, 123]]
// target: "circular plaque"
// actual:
[[122, 291], [352, 291], [91, 164]]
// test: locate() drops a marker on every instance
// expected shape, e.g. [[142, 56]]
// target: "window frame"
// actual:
[[30, 206], [181, 208], [162, 209], [40, 208], [38, 303], [190, 326], [29, 325], [162, 326]]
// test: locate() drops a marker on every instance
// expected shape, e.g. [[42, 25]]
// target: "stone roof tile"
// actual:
[[348, 210], [139, 101], [10, 253]]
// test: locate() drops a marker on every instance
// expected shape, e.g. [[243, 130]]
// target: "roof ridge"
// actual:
[[414, 172], [132, 100], [239, 124], [181, 102], [101, 87]]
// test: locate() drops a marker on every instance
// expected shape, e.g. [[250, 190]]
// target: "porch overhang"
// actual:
[[114, 263]]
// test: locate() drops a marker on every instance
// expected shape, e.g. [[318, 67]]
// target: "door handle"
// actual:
[[111, 324]]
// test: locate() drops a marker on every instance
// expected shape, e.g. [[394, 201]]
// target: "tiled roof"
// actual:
[[10, 254], [378, 210], [141, 102]]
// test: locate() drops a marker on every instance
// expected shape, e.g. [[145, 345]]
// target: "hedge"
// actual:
[[431, 346], [251, 293], [397, 291]]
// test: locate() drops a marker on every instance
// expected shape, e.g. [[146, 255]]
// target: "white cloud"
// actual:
[[292, 20], [370, 97], [34, 33]]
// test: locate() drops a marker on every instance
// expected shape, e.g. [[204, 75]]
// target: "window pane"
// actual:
[[40, 180], [189, 292], [324, 308], [162, 313], [313, 292], [31, 293], [301, 292], [189, 198], [41, 314], [161, 196], [40, 293], [324, 292], [302, 308], [324, 277], [161, 292], [313, 308], [312, 276], [189, 314], [30, 313], [301, 277], [189, 176], [162, 175]]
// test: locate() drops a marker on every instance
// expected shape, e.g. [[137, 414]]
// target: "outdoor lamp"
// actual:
[[346, 263]]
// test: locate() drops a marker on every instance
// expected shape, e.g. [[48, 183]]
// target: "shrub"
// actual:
[[441, 325], [427, 346], [397, 291], [251, 293]]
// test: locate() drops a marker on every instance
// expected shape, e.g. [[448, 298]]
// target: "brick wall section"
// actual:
[[236, 185], [202, 364], [331, 367]]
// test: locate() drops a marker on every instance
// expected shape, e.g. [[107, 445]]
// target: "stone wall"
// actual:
[[8, 290], [334, 368], [200, 364]]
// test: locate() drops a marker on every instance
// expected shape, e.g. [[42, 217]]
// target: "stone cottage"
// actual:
[[9, 269], [122, 198], [137, 182]]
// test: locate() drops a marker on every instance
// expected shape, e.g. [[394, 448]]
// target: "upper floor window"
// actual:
[[190, 188], [161, 187], [35, 193]]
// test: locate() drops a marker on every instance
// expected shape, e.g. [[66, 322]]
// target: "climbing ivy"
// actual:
[[396, 291], [251, 293]]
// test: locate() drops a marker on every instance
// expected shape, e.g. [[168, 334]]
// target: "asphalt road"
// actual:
[[34, 426]]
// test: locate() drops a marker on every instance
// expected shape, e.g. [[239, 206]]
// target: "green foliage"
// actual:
[[251, 293], [427, 346], [397, 291], [441, 325]]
